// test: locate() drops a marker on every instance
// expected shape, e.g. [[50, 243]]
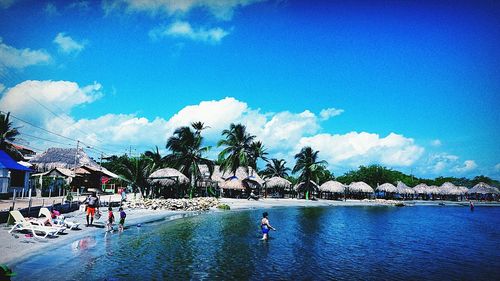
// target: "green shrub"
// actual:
[[223, 207]]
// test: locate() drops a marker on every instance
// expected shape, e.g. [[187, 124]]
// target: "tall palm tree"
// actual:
[[135, 170], [198, 127], [309, 167], [187, 153], [157, 161], [276, 168], [8, 134], [257, 151], [236, 153]]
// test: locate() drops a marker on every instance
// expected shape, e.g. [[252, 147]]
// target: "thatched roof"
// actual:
[[483, 188], [167, 177], [241, 174], [277, 182], [433, 189], [402, 188], [360, 187], [61, 158], [420, 188], [333, 187], [233, 183], [300, 185], [387, 187]]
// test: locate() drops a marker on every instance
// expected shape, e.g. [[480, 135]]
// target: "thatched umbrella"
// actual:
[[433, 190], [221, 176], [277, 182], [420, 188], [167, 177], [300, 185], [483, 188], [402, 188], [233, 183], [387, 188], [361, 187], [332, 187], [61, 158]]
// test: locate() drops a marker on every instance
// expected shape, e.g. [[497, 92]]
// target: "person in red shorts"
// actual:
[[92, 203]]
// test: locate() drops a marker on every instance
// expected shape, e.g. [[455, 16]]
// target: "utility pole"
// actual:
[[76, 154]]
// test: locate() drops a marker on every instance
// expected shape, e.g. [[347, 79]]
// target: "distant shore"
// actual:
[[17, 246]]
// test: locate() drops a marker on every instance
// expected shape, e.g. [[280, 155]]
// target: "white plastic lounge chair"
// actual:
[[40, 222], [22, 224], [58, 222]]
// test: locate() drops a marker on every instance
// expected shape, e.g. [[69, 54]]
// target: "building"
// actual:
[[13, 176]]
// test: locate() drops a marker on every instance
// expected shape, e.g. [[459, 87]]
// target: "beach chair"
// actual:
[[21, 224], [57, 222], [35, 221]]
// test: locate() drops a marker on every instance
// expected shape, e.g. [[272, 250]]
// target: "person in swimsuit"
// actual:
[[122, 219], [111, 219], [265, 226]]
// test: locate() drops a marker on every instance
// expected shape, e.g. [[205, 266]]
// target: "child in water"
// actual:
[[122, 219], [111, 219], [265, 226]]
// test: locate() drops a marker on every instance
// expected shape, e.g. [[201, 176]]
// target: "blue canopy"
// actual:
[[6, 162]]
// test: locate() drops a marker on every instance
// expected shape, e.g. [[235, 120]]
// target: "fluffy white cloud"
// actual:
[[444, 163], [10, 57], [354, 149], [182, 29], [222, 10], [24, 99], [67, 44], [329, 113], [468, 165], [497, 167]]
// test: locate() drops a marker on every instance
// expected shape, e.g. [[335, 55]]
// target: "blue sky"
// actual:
[[413, 86]]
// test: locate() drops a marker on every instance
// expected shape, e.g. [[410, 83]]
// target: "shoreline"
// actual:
[[16, 247]]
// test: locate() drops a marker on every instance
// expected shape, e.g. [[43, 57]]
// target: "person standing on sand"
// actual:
[[92, 203], [265, 226]]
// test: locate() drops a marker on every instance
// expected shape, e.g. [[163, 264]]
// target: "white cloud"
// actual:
[[2, 87], [182, 29], [329, 113], [10, 57], [354, 149], [444, 163], [436, 142], [468, 165], [22, 99], [497, 167], [67, 44], [222, 10]]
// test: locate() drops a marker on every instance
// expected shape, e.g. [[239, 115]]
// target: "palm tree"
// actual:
[[8, 135], [198, 127], [236, 153], [135, 170], [187, 153], [257, 151], [276, 168], [157, 161], [309, 167]]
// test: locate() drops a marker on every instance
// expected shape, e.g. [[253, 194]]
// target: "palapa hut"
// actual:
[[332, 190], [168, 182], [359, 190], [386, 190], [404, 191], [300, 187], [249, 179], [276, 186], [449, 191], [55, 179], [483, 191], [421, 191], [67, 158]]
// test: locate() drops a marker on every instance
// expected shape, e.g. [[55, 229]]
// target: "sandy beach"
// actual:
[[19, 246]]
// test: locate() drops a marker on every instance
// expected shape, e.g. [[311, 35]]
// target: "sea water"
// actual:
[[317, 243]]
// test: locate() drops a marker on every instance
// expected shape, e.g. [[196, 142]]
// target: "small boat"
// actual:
[[400, 204]]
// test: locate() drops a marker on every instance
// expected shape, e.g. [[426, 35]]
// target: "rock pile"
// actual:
[[195, 204]]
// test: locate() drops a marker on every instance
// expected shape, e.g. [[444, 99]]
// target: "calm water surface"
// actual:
[[335, 243]]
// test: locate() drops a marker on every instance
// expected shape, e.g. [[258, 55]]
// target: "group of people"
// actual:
[[92, 208]]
